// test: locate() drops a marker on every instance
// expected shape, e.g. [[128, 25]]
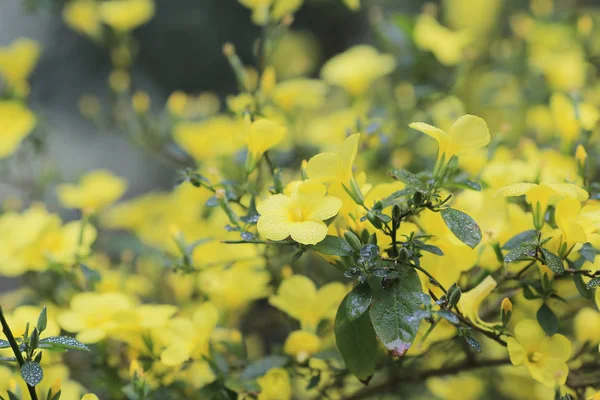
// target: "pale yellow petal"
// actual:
[[308, 232]]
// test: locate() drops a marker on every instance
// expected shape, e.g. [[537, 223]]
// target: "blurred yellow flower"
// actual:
[[298, 297], [354, 5], [95, 191], [469, 386], [300, 215], [83, 16], [571, 119], [468, 133], [89, 396], [275, 385], [544, 356], [335, 167], [18, 60], [447, 46], [301, 345], [260, 136], [587, 326], [125, 15], [357, 68], [212, 137], [16, 122], [299, 94], [92, 315]]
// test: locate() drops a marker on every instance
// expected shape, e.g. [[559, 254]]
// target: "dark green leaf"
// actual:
[[314, 381], [588, 252], [42, 321], [12, 396], [430, 248], [261, 366], [393, 311], [594, 282], [32, 373], [526, 250], [391, 199], [409, 178], [473, 343], [547, 319], [62, 342], [333, 246], [554, 262], [528, 293], [241, 385], [583, 289], [449, 316], [463, 226], [519, 239], [357, 301], [356, 339]]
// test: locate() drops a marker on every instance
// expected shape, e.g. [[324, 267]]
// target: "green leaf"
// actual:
[[4, 344], [583, 289], [473, 343], [554, 262], [393, 311], [356, 339], [594, 282], [42, 321], [12, 396], [261, 366], [528, 293], [357, 301], [32, 373], [547, 319], [588, 252], [525, 250], [430, 248], [463, 226], [520, 238], [468, 185], [409, 178], [449, 316], [241, 386], [333, 246], [62, 343], [391, 199]]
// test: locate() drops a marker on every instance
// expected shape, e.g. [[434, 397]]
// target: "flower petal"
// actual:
[[516, 189], [556, 346], [308, 232], [274, 226], [273, 204], [468, 133], [530, 334], [325, 208], [323, 167]]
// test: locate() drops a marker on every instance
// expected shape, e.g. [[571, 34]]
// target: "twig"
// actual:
[[15, 348]]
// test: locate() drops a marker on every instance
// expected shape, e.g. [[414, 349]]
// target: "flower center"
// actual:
[[535, 356]]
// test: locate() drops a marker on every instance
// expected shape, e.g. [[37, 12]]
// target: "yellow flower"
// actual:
[[468, 133], [89, 396], [18, 60], [580, 154], [275, 385], [298, 297], [587, 325], [82, 16], [542, 195], [17, 121], [357, 68], [299, 93], [300, 215], [569, 119], [125, 15], [189, 338], [334, 167], [263, 10], [92, 315], [470, 302], [260, 136], [301, 345], [95, 191], [469, 386], [354, 5], [574, 228], [446, 45], [544, 356], [204, 140]]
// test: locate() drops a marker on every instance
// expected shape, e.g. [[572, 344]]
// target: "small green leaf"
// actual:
[[333, 246], [240, 386], [449, 316], [469, 185], [554, 262], [524, 250], [594, 282], [356, 339], [357, 301], [473, 343], [528, 293], [10, 359], [261, 366], [588, 252], [409, 178], [62, 343], [393, 311], [4, 344], [519, 239], [463, 226], [391, 199], [583, 289], [430, 249], [12, 396], [32, 373], [547, 319]]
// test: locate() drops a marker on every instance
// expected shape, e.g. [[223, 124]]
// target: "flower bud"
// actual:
[[353, 240], [506, 310], [374, 220], [140, 102]]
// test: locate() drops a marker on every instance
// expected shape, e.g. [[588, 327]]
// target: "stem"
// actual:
[[15, 348], [258, 242], [423, 375]]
